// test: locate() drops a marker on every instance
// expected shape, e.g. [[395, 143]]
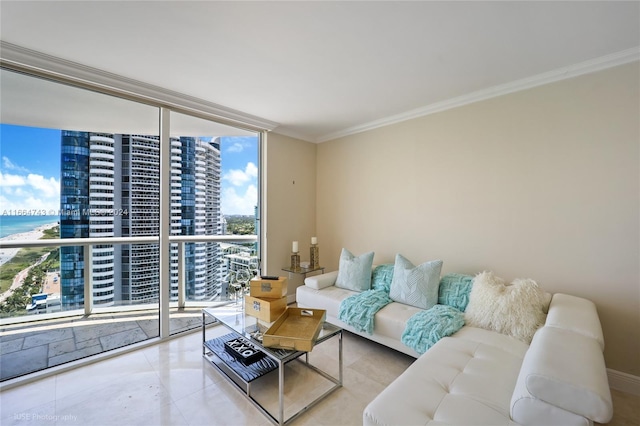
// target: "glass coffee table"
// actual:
[[243, 374]]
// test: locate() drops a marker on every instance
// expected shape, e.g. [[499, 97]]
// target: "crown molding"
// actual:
[[593, 65], [30, 61], [288, 132]]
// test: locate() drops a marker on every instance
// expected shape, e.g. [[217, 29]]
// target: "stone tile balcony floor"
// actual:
[[37, 345]]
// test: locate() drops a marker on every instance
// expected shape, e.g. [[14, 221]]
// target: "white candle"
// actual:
[[314, 240], [295, 247]]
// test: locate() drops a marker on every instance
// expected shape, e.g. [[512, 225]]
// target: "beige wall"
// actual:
[[543, 183], [290, 188]]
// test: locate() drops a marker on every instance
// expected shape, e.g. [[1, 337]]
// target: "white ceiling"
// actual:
[[324, 69]]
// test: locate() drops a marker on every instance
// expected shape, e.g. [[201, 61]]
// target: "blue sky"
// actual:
[[30, 170]]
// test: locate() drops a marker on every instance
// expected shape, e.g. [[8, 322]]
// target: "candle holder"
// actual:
[[314, 256], [295, 260]]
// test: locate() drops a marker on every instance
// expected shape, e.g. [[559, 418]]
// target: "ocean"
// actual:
[[10, 225]]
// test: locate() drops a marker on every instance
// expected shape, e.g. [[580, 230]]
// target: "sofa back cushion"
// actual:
[[565, 370]]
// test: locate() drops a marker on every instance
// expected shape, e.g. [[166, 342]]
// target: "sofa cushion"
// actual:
[[391, 320], [506, 343], [457, 381], [354, 272], [328, 298], [415, 285], [515, 310], [564, 369]]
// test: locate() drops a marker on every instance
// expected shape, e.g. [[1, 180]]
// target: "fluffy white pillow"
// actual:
[[516, 310]]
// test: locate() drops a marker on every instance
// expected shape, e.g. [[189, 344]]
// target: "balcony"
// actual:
[[53, 337], [41, 344]]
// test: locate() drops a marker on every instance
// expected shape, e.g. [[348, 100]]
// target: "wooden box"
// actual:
[[296, 329], [268, 289], [267, 310]]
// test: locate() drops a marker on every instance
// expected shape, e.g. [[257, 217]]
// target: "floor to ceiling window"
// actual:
[[214, 192], [81, 214]]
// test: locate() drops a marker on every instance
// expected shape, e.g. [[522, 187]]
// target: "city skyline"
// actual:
[[105, 173], [30, 171]]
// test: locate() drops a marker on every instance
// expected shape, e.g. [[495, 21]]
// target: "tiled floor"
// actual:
[[40, 344], [172, 384]]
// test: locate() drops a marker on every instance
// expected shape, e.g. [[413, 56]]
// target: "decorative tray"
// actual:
[[296, 329]]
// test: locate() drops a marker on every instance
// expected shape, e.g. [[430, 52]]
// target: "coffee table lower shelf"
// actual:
[[242, 375]]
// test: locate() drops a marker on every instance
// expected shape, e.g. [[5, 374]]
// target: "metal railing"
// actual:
[[88, 243]]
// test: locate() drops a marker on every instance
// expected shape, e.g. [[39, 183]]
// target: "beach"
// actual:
[[7, 254]]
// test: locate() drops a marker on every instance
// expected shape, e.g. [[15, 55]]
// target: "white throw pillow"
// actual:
[[354, 273], [415, 285], [516, 310]]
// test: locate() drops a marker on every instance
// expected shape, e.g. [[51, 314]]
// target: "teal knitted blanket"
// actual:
[[425, 328], [360, 309], [454, 290]]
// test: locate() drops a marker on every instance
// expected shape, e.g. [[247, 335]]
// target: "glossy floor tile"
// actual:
[[172, 384], [40, 344]]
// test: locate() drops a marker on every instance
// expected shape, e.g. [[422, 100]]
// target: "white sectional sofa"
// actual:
[[320, 292], [482, 377]]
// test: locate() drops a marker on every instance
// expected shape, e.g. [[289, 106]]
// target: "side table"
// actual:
[[295, 283]]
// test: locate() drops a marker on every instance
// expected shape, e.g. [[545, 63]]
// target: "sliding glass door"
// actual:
[[97, 176]]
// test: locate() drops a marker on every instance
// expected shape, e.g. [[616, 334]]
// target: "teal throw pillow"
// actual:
[[415, 285], [382, 276], [454, 290], [354, 273]]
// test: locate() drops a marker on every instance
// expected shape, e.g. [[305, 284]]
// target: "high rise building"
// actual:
[[87, 204], [208, 220], [74, 222], [110, 187], [140, 198], [103, 220]]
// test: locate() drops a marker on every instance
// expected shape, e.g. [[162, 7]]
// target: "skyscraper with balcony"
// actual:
[[109, 187], [102, 220], [140, 174], [86, 203], [208, 220]]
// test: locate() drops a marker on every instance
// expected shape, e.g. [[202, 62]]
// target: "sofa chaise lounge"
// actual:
[[479, 376]]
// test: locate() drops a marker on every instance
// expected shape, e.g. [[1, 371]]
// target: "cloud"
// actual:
[[238, 203], [237, 144], [8, 165], [48, 187], [9, 180], [31, 192], [240, 177], [236, 147]]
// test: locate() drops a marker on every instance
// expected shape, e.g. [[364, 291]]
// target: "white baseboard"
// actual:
[[624, 382]]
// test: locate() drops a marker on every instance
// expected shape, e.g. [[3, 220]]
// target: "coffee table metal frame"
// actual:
[[232, 316]]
